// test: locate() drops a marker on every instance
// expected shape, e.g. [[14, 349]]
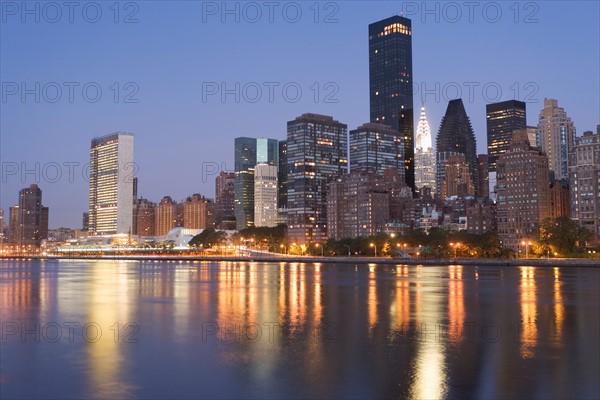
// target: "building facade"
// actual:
[[584, 179], [457, 178], [556, 136], [523, 190], [168, 215], [357, 206], [481, 218], [248, 153], [29, 219], [144, 221], [456, 137], [484, 177], [391, 83], [375, 148], [111, 184], [198, 212], [317, 154], [265, 195]]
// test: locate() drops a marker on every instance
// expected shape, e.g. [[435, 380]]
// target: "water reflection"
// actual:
[[529, 330], [279, 330], [429, 371]]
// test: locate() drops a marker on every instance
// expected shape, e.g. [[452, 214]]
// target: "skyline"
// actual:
[[173, 116]]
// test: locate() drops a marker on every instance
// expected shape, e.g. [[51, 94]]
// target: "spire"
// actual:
[[423, 140]]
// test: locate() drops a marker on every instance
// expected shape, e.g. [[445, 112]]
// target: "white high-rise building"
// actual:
[[424, 156], [265, 195], [111, 184], [556, 137]]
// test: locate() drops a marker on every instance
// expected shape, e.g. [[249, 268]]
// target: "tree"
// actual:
[[208, 238], [563, 234]]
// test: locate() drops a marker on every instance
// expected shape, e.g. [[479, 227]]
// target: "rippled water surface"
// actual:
[[109, 329]]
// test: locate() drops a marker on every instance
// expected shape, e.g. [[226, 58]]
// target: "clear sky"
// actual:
[[171, 57]]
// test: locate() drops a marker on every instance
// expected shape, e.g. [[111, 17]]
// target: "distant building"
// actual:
[[424, 156], [168, 215], [111, 184], [456, 137], [502, 119], [248, 153], [523, 191], [532, 134], [144, 218], [265, 195], [391, 83], [282, 176], [317, 154], [28, 225], [85, 221], [457, 178], [198, 212], [357, 205], [484, 179], [560, 200], [400, 200], [556, 136], [224, 199], [584, 179], [374, 148], [482, 218]]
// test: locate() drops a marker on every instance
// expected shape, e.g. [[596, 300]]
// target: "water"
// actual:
[[104, 329]]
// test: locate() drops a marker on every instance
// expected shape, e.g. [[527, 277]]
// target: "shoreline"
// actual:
[[553, 262]]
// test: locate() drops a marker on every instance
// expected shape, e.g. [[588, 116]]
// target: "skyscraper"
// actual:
[[584, 179], [282, 176], [111, 184], [265, 195], [29, 220], [456, 137], [502, 119], [424, 157], [317, 154], [390, 82], [224, 198], [523, 191], [556, 136], [375, 148], [248, 153]]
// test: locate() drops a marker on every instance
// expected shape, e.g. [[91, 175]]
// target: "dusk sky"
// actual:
[[174, 50]]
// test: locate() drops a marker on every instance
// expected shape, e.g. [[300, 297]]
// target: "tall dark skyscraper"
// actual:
[[282, 176], [317, 153], [502, 120], [390, 83], [224, 198], [248, 153], [29, 220], [456, 137]]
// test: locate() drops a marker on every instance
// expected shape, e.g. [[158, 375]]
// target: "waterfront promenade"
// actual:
[[276, 257]]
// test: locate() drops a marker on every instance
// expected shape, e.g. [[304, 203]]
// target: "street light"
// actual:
[[526, 244], [322, 249], [455, 246], [374, 246], [348, 246]]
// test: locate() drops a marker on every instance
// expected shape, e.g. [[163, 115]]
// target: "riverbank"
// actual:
[[551, 262]]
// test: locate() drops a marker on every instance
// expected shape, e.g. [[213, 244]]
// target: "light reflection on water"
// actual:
[[246, 329]]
